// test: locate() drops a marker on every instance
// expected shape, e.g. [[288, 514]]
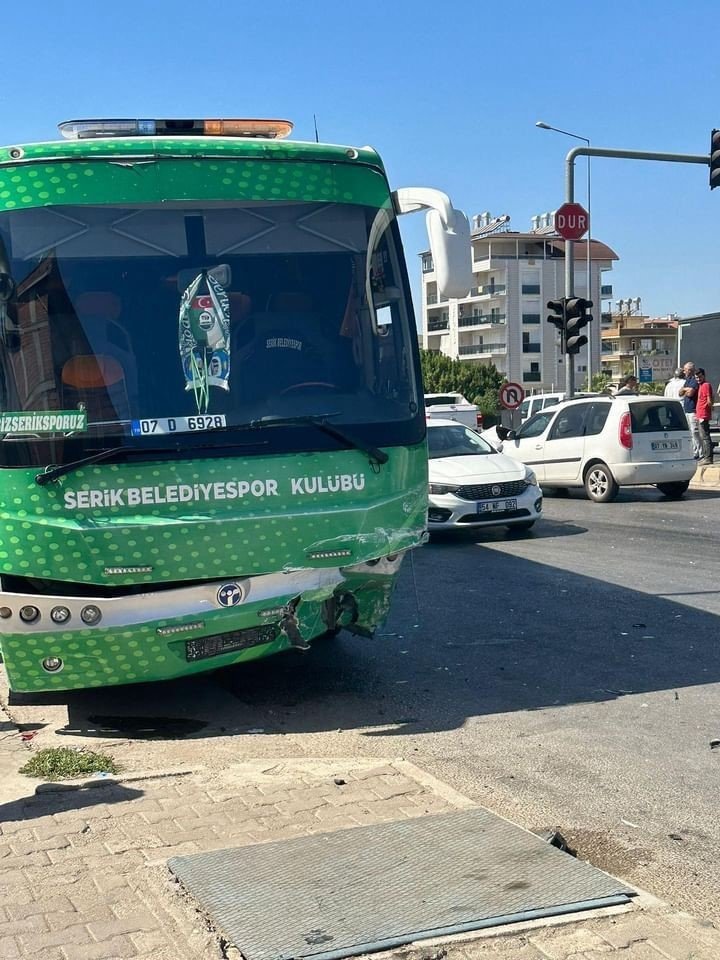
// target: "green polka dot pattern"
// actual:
[[209, 537], [206, 538], [100, 657], [87, 174]]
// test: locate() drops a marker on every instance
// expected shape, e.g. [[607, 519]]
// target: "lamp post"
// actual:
[[546, 126]]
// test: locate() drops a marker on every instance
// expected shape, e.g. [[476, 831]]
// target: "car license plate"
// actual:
[[665, 445], [497, 506]]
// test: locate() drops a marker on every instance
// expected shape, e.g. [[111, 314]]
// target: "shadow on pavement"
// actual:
[[506, 634], [543, 528], [59, 798]]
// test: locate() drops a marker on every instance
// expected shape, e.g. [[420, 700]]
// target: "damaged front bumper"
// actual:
[[68, 642]]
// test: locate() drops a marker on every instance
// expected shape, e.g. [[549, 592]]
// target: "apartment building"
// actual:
[[645, 346], [503, 318]]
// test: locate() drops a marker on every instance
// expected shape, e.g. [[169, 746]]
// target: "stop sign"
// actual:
[[571, 221]]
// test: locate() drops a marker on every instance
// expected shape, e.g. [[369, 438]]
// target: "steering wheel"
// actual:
[[310, 384]]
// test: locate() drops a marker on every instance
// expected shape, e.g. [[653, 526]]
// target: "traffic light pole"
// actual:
[[570, 198]]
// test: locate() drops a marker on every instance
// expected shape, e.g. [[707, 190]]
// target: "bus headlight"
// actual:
[[52, 664], [29, 613], [59, 614], [91, 615]]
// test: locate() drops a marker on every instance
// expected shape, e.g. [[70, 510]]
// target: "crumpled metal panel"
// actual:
[[352, 891]]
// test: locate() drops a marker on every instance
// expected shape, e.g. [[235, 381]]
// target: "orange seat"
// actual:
[[91, 372], [96, 384]]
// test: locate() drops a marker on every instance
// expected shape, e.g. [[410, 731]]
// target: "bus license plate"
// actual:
[[497, 506], [665, 445], [163, 425]]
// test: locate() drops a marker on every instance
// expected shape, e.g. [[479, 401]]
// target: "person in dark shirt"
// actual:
[[688, 395], [703, 412]]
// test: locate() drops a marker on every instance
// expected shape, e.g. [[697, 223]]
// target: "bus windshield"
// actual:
[[179, 319]]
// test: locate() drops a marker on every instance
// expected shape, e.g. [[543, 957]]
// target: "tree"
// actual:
[[600, 382], [653, 387], [478, 383]]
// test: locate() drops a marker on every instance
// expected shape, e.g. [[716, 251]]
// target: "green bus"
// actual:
[[212, 432]]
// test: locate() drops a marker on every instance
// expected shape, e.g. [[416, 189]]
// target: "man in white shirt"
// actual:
[[672, 388]]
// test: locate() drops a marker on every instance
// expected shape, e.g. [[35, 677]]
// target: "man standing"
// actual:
[[688, 395], [703, 412], [628, 384], [674, 385]]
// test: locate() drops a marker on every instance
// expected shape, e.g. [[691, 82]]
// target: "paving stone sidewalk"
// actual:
[[83, 871]]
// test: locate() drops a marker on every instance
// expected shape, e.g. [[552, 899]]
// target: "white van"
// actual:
[[452, 406], [538, 401]]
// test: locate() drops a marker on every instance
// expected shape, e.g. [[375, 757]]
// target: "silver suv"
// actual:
[[603, 443]]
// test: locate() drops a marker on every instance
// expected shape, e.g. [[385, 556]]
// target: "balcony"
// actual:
[[531, 288], [531, 348], [435, 325], [530, 376], [431, 298], [473, 349], [427, 265], [491, 289], [476, 319]]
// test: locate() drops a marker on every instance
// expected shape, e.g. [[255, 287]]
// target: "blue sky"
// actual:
[[447, 92]]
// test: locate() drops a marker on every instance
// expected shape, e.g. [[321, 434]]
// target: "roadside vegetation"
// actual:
[[64, 763]]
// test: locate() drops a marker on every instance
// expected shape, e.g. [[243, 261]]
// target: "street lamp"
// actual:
[[546, 126]]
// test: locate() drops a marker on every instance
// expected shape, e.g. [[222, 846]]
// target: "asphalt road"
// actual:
[[568, 678]]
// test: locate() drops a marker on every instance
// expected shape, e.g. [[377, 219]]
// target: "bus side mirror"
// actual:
[[449, 236]]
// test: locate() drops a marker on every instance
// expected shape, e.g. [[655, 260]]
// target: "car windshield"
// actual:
[[456, 441], [186, 318]]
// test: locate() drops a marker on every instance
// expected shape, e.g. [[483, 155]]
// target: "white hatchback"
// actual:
[[474, 485], [603, 443]]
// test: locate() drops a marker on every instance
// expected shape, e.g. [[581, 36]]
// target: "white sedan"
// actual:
[[474, 485]]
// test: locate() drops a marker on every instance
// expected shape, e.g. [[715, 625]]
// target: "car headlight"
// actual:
[[442, 488], [530, 478]]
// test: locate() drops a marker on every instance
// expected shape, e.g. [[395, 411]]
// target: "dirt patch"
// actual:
[[609, 852]]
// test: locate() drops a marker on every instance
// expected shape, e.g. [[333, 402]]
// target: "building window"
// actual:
[[427, 263], [531, 318], [531, 288]]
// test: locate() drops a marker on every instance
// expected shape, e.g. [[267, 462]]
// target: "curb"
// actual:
[[706, 478]]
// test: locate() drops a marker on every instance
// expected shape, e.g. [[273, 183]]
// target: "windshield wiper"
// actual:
[[53, 472], [321, 422]]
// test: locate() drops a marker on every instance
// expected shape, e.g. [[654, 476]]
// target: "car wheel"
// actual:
[[673, 490], [525, 525], [600, 484]]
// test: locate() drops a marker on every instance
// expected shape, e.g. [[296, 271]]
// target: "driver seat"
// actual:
[[287, 348]]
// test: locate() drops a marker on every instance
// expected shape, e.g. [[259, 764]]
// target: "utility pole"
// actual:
[[570, 196]]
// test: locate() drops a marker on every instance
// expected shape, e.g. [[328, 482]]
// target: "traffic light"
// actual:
[[557, 313], [714, 159], [576, 317]]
